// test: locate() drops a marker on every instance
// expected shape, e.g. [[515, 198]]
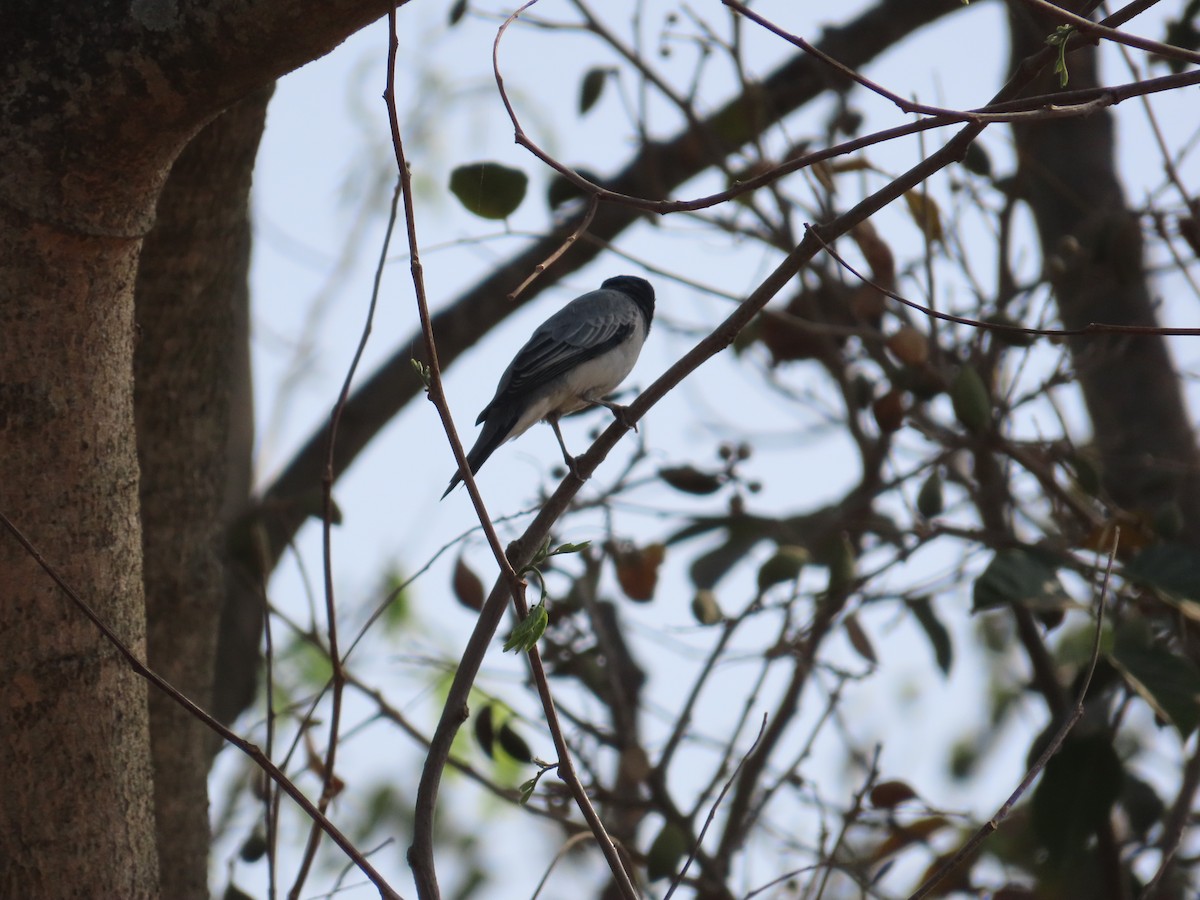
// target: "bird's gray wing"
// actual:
[[584, 329]]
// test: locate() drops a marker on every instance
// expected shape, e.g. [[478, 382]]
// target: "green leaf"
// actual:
[[1168, 682], [254, 847], [1018, 576], [308, 664], [570, 548], [924, 211], [527, 788], [488, 189], [1168, 520], [591, 88], [842, 565], [1078, 788], [930, 501], [457, 11], [528, 631], [667, 852], [708, 568], [539, 556], [1006, 333], [312, 503], [423, 372], [383, 807], [1085, 469], [939, 637], [1174, 568], [785, 565], [1059, 39], [972, 405]]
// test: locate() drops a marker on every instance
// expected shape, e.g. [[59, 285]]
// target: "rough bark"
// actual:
[[194, 430], [97, 100], [1092, 241], [76, 817]]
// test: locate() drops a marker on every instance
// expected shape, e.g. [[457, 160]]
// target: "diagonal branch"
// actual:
[[657, 169]]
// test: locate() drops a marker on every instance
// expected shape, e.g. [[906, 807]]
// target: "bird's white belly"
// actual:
[[589, 381]]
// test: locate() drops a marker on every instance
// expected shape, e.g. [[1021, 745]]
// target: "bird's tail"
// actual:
[[493, 435]]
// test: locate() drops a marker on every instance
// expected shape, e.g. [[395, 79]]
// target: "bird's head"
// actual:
[[637, 289]]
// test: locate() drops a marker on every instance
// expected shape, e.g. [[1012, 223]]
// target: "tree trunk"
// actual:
[[1068, 177], [97, 101], [194, 430], [76, 812]]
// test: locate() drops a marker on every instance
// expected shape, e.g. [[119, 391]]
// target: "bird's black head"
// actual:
[[637, 289]]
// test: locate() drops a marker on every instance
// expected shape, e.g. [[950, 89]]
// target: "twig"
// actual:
[[421, 852], [685, 714], [740, 814], [1092, 328], [1089, 29], [253, 752], [1175, 823], [712, 813], [1051, 748], [906, 106], [436, 390], [338, 676], [567, 244], [566, 848], [270, 805], [566, 771], [848, 819], [1005, 108]]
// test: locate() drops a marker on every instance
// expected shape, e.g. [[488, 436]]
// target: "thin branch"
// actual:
[[848, 819], [906, 106], [1175, 823], [1003, 109], [663, 165], [253, 752], [1091, 329], [712, 813], [420, 854], [568, 845], [1096, 31], [567, 244], [270, 805], [338, 676], [740, 813], [965, 851]]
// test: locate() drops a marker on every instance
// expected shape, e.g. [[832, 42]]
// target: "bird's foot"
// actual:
[[620, 413], [572, 465]]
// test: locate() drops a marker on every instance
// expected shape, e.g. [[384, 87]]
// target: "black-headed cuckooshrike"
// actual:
[[573, 360]]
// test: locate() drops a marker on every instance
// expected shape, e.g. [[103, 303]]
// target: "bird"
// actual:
[[573, 359]]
